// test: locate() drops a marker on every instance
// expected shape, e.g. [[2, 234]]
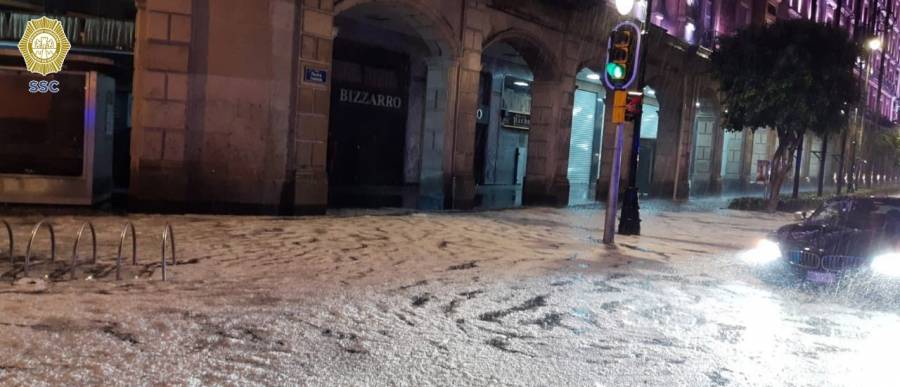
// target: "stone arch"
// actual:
[[433, 28], [537, 54], [434, 55], [709, 97], [587, 130], [656, 82], [707, 140], [593, 62], [545, 181]]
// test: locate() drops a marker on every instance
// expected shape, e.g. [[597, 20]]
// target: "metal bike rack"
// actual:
[[34, 232], [11, 241], [167, 236], [75, 247], [128, 226]]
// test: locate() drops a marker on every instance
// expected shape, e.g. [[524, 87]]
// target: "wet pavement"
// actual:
[[517, 297]]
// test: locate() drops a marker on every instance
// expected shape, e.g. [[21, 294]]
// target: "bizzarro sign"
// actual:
[[372, 99]]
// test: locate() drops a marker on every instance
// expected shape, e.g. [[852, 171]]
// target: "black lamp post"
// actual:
[[630, 221]]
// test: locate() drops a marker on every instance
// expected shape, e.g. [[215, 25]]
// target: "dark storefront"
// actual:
[[43, 134], [368, 119], [502, 126], [70, 145]]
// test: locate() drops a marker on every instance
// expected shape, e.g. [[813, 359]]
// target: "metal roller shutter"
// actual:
[[580, 152]]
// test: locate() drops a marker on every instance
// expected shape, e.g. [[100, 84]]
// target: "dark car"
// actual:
[[845, 236]]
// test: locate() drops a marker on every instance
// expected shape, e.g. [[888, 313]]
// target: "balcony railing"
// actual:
[[83, 32]]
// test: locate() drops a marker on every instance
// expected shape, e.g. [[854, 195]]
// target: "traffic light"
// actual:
[[633, 107], [626, 106], [620, 103], [619, 53], [621, 63]]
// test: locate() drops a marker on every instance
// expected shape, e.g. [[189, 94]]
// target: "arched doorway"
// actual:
[[704, 140], [515, 70], [732, 161], [501, 129], [586, 136], [390, 66]]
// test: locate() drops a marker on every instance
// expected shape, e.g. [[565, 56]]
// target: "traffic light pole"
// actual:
[[630, 222], [612, 198], [623, 59]]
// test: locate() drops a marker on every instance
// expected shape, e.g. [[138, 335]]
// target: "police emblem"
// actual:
[[44, 46]]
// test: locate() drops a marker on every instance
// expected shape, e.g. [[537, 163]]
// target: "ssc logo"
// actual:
[[44, 46], [43, 87]]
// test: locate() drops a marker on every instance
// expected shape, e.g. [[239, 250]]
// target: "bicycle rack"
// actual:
[[168, 235], [75, 247], [128, 226], [11, 241], [168, 238], [34, 232]]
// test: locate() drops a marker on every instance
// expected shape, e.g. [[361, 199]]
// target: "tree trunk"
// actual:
[[822, 158], [797, 166], [782, 163]]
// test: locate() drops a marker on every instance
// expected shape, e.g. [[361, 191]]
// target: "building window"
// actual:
[[742, 15]]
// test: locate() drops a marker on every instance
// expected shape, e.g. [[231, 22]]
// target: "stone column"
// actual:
[[162, 46], [748, 170], [461, 183], [715, 182], [685, 138], [548, 143], [437, 133], [313, 108]]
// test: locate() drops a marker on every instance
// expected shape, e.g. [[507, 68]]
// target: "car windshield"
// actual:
[[828, 213]]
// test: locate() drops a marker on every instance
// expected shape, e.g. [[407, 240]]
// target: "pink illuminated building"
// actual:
[[701, 22]]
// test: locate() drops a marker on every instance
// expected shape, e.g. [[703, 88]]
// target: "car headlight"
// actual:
[[765, 252], [887, 264]]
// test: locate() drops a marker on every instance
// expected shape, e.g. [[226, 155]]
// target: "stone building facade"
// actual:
[[249, 106], [702, 22]]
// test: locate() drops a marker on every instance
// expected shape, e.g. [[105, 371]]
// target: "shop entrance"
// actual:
[[389, 66], [701, 162], [368, 120], [587, 132], [501, 147]]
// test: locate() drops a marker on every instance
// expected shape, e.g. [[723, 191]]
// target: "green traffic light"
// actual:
[[615, 71]]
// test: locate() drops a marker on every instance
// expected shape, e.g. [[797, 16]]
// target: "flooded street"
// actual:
[[440, 170], [521, 297]]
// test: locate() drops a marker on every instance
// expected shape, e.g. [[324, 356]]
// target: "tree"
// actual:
[[792, 76], [887, 146]]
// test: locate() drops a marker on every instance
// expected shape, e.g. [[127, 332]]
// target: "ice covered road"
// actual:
[[524, 297]]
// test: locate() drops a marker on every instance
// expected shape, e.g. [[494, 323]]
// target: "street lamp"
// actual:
[[874, 44], [630, 221], [624, 6]]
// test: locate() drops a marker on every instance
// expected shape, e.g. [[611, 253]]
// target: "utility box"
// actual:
[[56, 147]]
